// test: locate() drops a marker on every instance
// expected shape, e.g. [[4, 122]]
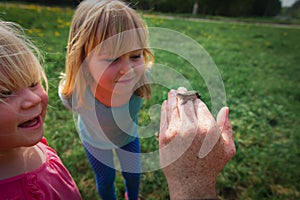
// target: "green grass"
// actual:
[[260, 67]]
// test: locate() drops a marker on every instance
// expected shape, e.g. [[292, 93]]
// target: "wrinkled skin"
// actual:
[[194, 147]]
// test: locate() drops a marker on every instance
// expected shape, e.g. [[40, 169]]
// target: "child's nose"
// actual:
[[31, 98], [126, 65]]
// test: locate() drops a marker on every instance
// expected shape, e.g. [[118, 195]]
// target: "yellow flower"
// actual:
[[41, 34], [30, 31], [60, 21]]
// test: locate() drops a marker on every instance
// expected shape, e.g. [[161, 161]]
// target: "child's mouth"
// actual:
[[30, 123], [125, 80]]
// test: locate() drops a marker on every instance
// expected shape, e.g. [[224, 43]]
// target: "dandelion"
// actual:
[[37, 30], [40, 34], [34, 7], [30, 31], [56, 33], [60, 21], [54, 9], [62, 24], [69, 10]]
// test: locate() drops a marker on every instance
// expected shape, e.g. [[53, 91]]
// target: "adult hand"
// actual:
[[194, 147]]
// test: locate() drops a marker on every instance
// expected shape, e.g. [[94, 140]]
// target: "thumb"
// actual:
[[224, 123]]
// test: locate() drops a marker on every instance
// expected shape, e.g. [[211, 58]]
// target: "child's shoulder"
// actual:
[[36, 183]]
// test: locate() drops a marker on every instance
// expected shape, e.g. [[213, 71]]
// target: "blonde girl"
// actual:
[[29, 168], [105, 80]]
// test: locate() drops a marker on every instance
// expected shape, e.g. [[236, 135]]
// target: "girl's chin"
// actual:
[[37, 138]]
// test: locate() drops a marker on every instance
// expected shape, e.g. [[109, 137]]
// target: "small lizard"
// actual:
[[188, 95]]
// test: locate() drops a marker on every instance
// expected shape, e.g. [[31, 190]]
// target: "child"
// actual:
[[29, 168], [104, 84]]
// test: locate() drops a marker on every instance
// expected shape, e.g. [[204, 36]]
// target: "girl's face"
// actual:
[[117, 75], [22, 114]]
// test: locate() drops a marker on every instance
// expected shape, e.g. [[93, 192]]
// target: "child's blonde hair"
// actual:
[[19, 60], [94, 22]]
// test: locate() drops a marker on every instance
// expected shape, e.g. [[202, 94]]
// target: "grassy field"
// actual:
[[260, 67]]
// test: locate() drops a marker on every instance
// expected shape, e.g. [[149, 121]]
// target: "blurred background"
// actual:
[[255, 45], [203, 7]]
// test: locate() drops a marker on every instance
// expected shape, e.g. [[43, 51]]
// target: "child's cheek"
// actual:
[[140, 68], [45, 99]]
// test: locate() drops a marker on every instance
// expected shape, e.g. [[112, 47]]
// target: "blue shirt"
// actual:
[[106, 127]]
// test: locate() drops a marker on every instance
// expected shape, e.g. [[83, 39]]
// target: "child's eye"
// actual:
[[112, 60], [33, 84], [136, 56], [4, 94]]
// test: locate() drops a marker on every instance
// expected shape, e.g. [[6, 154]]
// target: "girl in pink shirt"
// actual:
[[29, 168]]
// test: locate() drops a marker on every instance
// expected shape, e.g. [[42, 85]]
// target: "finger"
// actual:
[[222, 117], [188, 119], [226, 128], [181, 90], [171, 104], [172, 116], [211, 139], [224, 124], [196, 103], [210, 132], [186, 110], [203, 114], [163, 118], [163, 124]]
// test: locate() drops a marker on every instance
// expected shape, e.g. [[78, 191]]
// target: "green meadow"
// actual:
[[260, 68]]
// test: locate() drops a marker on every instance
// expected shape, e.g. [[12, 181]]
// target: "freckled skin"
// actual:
[[185, 128]]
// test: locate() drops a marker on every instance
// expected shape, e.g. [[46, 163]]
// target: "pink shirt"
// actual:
[[51, 181]]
